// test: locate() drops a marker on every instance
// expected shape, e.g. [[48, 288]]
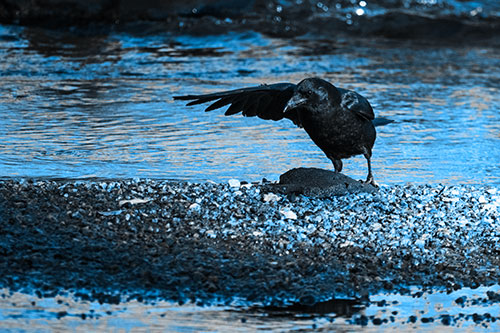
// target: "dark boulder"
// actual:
[[319, 183]]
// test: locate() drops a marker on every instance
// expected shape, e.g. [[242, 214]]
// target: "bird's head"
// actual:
[[313, 94]]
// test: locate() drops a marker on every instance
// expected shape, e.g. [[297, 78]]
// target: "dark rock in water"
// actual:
[[442, 20], [71, 12], [320, 183]]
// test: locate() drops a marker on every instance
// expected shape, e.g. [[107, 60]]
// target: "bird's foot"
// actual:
[[369, 181]]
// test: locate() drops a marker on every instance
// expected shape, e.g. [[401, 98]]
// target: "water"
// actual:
[[429, 312], [77, 105]]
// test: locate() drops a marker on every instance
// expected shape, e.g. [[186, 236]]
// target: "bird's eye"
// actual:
[[308, 93]]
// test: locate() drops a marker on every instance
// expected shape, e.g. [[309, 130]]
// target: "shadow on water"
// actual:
[[464, 309], [80, 105], [336, 307], [50, 43]]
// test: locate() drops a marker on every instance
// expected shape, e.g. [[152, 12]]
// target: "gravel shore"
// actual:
[[216, 243]]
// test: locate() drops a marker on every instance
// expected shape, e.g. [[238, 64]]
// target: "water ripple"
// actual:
[[101, 106]]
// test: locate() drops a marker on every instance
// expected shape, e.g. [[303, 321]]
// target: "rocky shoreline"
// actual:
[[212, 243]]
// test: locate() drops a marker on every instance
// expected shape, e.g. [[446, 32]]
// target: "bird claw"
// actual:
[[369, 181]]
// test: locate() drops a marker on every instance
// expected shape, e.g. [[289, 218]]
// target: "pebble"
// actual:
[[194, 206], [439, 235], [289, 214], [134, 201], [235, 183], [271, 197]]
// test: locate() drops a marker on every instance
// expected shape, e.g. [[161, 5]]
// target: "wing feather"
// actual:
[[220, 103], [265, 101], [356, 103], [235, 107], [253, 106]]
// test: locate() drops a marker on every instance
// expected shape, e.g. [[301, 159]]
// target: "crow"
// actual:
[[341, 122]]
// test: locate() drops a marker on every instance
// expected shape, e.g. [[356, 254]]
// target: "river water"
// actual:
[[80, 105], [428, 312]]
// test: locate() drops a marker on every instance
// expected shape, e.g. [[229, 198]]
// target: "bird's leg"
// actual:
[[369, 178], [337, 164]]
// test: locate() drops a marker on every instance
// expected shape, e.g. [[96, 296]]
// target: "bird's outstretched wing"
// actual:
[[265, 101], [356, 103]]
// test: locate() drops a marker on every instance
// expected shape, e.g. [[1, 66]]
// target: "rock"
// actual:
[[271, 197], [134, 201], [235, 183], [393, 19], [319, 183], [289, 214], [194, 206], [77, 11]]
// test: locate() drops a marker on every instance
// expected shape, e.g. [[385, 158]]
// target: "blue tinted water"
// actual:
[[78, 106], [23, 312]]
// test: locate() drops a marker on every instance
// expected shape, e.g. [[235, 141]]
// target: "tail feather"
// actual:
[[381, 121]]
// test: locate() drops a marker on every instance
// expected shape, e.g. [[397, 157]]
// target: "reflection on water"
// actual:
[[19, 311], [466, 308], [80, 105]]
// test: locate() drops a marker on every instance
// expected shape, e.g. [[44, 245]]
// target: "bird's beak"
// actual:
[[295, 102]]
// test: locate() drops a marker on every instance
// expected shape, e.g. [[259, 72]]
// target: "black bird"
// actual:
[[341, 122]]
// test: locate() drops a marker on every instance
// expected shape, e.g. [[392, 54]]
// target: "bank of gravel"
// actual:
[[214, 243]]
